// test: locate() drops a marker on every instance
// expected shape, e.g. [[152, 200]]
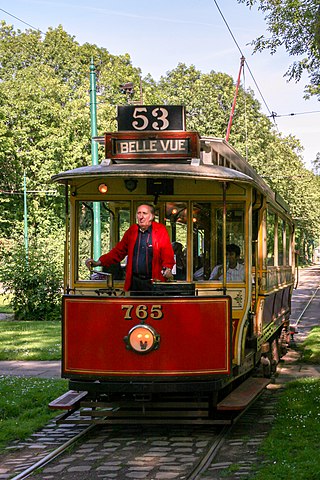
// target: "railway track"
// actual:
[[157, 452], [163, 451], [50, 457], [192, 455]]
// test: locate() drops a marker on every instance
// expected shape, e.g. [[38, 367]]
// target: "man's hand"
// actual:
[[167, 273], [90, 263]]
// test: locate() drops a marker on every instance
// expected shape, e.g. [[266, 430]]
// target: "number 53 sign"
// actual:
[[151, 117]]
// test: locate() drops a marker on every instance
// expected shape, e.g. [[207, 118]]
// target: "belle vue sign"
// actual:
[[151, 132]]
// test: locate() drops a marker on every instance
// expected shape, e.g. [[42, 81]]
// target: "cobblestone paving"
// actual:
[[160, 453], [21, 455], [238, 457]]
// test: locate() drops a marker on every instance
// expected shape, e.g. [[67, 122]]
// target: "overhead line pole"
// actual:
[[25, 217], [95, 160]]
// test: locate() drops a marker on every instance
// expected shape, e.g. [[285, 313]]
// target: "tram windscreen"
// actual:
[[113, 221], [176, 221]]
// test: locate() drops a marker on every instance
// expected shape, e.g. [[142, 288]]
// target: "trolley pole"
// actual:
[[94, 157], [25, 217], [234, 99]]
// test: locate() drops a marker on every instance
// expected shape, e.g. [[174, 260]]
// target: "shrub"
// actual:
[[34, 282]]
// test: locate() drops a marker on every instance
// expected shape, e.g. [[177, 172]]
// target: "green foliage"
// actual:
[[34, 282], [45, 124], [23, 406], [208, 99], [294, 24]]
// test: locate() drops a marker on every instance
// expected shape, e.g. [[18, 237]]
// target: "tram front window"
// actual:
[[176, 221], [208, 242], [113, 220]]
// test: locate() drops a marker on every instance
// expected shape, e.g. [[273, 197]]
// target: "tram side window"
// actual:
[[114, 220], [287, 244], [208, 241], [202, 217], [235, 241], [176, 220], [271, 223], [281, 232]]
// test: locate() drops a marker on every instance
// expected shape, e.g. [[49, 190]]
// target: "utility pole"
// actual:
[[25, 217], [95, 160]]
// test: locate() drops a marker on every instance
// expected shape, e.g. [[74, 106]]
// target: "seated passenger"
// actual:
[[180, 261], [235, 269]]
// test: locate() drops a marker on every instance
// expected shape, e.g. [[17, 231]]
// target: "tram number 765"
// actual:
[[142, 312]]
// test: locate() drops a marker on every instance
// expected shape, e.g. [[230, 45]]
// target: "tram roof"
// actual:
[[199, 169], [156, 170]]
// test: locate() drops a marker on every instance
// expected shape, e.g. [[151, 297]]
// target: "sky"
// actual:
[[160, 34]]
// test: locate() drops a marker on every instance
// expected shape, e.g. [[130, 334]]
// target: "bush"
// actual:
[[34, 282]]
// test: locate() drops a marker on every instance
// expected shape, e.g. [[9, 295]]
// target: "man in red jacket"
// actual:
[[149, 250]]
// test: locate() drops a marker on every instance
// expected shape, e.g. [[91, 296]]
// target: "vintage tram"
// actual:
[[194, 340]]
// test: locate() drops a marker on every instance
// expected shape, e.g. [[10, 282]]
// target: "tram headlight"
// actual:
[[103, 188], [142, 339]]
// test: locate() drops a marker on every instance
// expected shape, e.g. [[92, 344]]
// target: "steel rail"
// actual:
[[52, 455], [206, 460], [305, 308]]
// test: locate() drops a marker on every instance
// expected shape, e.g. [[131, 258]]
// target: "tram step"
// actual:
[[68, 400], [243, 395]]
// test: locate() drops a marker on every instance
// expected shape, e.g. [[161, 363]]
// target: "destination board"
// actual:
[[127, 145], [151, 117]]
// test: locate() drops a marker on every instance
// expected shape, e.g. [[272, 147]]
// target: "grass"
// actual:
[[311, 347], [291, 450], [24, 400], [23, 406], [30, 340]]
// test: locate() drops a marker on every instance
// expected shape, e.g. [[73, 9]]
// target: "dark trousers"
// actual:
[[140, 286]]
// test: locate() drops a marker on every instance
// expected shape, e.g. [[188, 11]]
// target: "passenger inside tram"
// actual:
[[180, 258], [235, 269], [208, 232]]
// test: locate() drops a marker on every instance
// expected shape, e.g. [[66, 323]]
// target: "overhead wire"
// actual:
[[22, 21], [249, 70], [272, 114], [275, 114]]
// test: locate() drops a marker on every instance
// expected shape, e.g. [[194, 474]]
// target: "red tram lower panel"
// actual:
[[146, 338]]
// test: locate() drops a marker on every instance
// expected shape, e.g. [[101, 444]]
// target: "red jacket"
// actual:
[[163, 255]]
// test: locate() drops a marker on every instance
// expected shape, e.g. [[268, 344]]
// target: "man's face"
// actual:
[[144, 216], [232, 259]]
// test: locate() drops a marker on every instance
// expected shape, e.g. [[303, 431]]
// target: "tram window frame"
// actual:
[[281, 240], [212, 252], [115, 228], [288, 243], [176, 220], [271, 237]]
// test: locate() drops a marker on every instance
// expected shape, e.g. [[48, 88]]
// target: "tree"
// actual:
[[45, 123], [45, 117], [208, 99], [294, 24]]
